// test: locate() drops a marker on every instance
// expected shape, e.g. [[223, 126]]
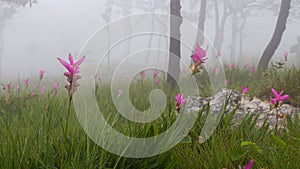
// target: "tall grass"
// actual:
[[31, 130]]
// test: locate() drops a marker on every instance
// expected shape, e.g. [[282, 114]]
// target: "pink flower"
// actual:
[[72, 74], [227, 81], [100, 78], [72, 67], [278, 98], [142, 74], [55, 85], [246, 65], [251, 70], [199, 54], [217, 71], [199, 57], [272, 101], [42, 73], [155, 73], [219, 54], [18, 88], [157, 80], [245, 90], [43, 89], [249, 165], [180, 101], [120, 92], [8, 86], [26, 81], [230, 66], [126, 77], [285, 54]]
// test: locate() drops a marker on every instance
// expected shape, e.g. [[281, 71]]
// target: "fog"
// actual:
[[34, 37]]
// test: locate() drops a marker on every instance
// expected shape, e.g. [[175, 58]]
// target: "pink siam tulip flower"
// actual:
[[100, 78], [230, 66], [126, 77], [42, 73], [157, 80], [18, 88], [249, 165], [251, 70], [26, 81], [120, 92], [217, 71], [245, 90], [42, 89], [8, 87], [72, 73], [155, 73], [278, 98], [142, 74], [246, 65], [281, 61], [180, 101], [55, 85], [199, 57], [272, 101], [227, 81], [218, 54], [285, 54]]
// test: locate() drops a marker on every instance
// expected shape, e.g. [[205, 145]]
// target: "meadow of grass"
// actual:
[[32, 128]]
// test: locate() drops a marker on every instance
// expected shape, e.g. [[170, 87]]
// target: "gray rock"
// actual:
[[244, 106]]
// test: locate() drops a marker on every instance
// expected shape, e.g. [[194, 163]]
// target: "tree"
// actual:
[[278, 33], [201, 22], [220, 23], [174, 48], [107, 18]]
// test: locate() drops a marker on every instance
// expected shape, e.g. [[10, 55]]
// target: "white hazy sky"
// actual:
[[53, 28]]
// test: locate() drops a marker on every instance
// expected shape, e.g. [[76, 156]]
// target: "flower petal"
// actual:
[[285, 97], [66, 65], [71, 59], [249, 165], [80, 61], [275, 93]]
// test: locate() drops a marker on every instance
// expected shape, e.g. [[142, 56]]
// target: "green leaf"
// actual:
[[246, 143], [278, 142], [237, 154], [186, 140], [258, 149]]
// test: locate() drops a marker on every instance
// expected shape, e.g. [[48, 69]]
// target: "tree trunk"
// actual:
[[219, 37], [277, 36], [174, 48], [1, 50], [201, 21], [164, 25], [109, 45], [234, 37], [150, 42], [241, 35]]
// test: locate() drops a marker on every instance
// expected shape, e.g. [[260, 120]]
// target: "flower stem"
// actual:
[[68, 115], [276, 126]]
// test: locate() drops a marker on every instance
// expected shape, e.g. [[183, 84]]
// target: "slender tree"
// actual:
[[278, 33], [174, 48], [201, 22], [220, 23], [107, 18]]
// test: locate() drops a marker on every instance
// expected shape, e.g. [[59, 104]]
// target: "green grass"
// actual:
[[31, 130]]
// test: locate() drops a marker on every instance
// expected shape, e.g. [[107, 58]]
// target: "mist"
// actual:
[[35, 36]]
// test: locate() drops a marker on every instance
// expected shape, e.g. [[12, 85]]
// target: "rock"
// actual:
[[244, 105]]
